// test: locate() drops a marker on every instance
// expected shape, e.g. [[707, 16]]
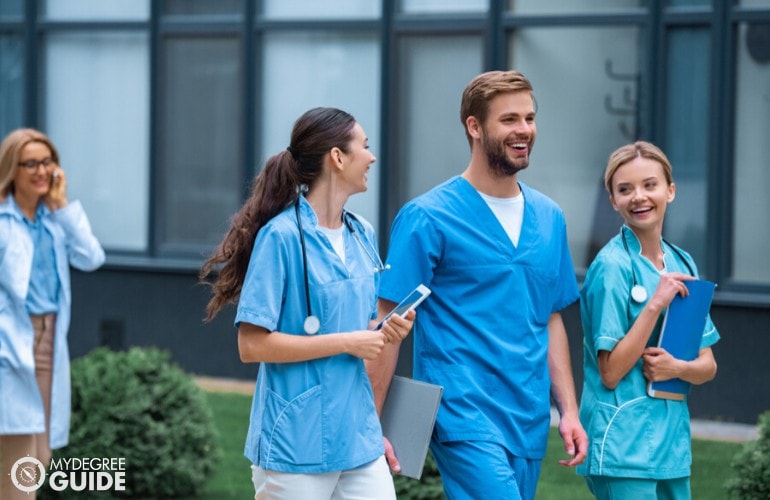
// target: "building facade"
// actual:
[[164, 111]]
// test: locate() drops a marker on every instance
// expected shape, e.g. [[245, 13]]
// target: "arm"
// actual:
[[563, 392], [382, 368], [615, 364], [659, 365], [258, 345]]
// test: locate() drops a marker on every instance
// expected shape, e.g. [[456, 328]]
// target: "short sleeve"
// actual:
[[605, 296]]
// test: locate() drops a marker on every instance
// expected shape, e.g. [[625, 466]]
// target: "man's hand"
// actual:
[[575, 440]]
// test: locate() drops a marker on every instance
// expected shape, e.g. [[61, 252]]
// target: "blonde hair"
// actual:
[[638, 149], [10, 151]]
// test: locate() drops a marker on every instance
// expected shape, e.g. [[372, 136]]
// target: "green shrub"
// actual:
[[429, 486], [139, 406], [751, 466]]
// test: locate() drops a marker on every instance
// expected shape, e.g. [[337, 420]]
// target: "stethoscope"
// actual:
[[638, 292], [312, 323]]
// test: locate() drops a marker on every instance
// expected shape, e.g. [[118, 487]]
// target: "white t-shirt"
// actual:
[[337, 239], [509, 212]]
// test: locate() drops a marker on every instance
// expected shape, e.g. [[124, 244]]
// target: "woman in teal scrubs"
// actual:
[[304, 272], [639, 446]]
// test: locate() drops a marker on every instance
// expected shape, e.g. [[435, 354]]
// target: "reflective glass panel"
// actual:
[[753, 3], [752, 150], [11, 9], [202, 7], [571, 6], [304, 70], [97, 114], [587, 83], [199, 156], [11, 84], [443, 6], [677, 3], [431, 138], [96, 10], [328, 9], [687, 114]]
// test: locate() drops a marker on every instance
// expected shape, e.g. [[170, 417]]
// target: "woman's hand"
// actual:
[[364, 344], [669, 286], [396, 328], [659, 365], [57, 194]]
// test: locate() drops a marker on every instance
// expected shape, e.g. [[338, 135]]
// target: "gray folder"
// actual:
[[407, 417]]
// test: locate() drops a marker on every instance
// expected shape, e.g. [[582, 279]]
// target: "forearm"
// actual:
[[560, 367], [700, 370], [380, 371], [257, 345], [615, 364]]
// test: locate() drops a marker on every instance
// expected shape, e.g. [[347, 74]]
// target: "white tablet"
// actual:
[[410, 302]]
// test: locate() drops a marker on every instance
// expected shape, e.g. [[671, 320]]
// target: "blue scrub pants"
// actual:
[[615, 488], [482, 469]]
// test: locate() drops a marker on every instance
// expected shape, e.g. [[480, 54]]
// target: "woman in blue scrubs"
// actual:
[[305, 272], [639, 445]]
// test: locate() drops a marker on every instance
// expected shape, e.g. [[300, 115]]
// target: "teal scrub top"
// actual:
[[312, 416], [630, 434], [482, 333]]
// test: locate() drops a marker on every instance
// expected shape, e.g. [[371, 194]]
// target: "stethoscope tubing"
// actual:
[[312, 324], [638, 292]]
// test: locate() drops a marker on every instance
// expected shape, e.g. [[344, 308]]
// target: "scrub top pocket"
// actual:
[[292, 430]]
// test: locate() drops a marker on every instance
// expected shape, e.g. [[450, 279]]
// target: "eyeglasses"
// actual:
[[32, 165]]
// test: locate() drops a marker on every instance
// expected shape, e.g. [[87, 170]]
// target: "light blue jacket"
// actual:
[[21, 407]]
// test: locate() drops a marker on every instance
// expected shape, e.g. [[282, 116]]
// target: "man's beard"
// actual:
[[499, 163]]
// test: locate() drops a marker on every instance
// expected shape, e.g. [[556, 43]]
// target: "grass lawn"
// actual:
[[232, 479]]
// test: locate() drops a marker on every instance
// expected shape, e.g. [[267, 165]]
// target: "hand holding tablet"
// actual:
[[410, 302]]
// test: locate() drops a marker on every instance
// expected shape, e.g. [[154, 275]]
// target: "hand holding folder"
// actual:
[[681, 334], [408, 416]]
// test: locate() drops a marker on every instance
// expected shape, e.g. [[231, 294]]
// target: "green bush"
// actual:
[[139, 406], [429, 486], [751, 466]]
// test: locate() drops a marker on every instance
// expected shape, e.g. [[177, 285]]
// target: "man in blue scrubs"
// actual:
[[494, 253]]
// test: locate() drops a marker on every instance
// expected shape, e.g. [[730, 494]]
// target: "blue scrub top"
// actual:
[[312, 416], [630, 434], [482, 334]]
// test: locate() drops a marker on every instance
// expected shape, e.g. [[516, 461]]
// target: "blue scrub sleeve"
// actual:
[[606, 293], [568, 292], [414, 252], [264, 286]]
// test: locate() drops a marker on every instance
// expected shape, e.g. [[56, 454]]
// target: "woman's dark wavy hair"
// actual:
[[276, 187]]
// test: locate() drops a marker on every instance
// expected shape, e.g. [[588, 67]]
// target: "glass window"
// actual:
[[200, 158], [443, 6], [431, 139], [687, 114], [202, 7], [328, 9], [587, 85], [11, 9], [753, 3], [571, 6], [687, 3], [752, 149], [97, 95], [11, 84], [304, 70], [96, 10]]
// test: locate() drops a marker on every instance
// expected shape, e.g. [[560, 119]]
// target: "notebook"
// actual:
[[681, 334], [408, 415]]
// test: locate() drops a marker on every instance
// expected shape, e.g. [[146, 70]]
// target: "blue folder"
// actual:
[[681, 334]]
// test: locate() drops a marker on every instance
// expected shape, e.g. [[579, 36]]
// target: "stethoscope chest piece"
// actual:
[[639, 293], [312, 325]]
